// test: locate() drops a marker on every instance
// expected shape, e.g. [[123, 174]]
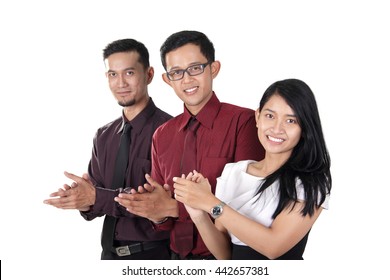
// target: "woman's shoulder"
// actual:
[[233, 167], [235, 182]]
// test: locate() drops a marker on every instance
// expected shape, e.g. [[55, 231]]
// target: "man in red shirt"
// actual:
[[227, 133]]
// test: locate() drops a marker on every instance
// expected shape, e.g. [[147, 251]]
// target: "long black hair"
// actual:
[[309, 160]]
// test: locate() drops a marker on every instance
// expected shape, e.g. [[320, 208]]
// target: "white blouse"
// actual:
[[237, 189]]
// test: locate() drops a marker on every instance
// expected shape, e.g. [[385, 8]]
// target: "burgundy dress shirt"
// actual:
[[227, 133], [101, 170]]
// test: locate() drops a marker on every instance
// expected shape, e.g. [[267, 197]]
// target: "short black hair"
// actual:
[[128, 45], [182, 38]]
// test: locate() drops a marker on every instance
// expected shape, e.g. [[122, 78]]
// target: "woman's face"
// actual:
[[278, 128]]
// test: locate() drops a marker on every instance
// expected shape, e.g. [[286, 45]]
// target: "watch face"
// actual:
[[217, 210]]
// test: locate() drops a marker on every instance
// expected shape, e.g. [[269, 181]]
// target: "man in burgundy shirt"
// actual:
[[227, 133], [131, 237]]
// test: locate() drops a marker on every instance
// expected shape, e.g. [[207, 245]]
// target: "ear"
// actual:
[[257, 116], [150, 75], [165, 79], [215, 67]]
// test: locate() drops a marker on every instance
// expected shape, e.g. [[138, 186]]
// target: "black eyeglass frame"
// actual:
[[203, 66]]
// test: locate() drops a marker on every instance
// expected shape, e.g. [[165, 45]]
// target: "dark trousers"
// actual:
[[175, 256]]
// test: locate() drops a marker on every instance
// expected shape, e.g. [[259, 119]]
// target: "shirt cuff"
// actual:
[[105, 203], [166, 225]]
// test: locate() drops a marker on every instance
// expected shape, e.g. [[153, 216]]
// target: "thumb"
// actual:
[[87, 179], [167, 187], [73, 177]]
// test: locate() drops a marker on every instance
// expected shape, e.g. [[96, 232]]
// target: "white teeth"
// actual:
[[190, 89], [275, 139]]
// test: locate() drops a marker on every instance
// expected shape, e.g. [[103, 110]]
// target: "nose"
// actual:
[[187, 77], [278, 127], [122, 81]]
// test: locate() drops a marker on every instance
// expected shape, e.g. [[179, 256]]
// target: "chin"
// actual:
[[126, 103]]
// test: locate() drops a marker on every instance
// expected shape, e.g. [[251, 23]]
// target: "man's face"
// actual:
[[194, 91], [127, 78]]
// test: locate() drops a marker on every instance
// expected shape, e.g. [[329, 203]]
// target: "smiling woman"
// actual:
[[266, 209], [279, 131]]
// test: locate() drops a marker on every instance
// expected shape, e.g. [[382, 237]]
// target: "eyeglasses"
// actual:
[[192, 70]]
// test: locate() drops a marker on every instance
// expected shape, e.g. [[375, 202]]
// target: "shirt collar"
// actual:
[[140, 120], [206, 116]]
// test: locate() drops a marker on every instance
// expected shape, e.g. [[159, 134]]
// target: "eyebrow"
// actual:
[[126, 69], [189, 65], [288, 115]]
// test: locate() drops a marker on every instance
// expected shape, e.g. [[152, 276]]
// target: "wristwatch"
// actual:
[[217, 210]]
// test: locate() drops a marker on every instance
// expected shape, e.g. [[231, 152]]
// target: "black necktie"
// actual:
[[118, 181], [122, 158], [184, 238]]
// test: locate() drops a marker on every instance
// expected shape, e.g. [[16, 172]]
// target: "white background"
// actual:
[[54, 96]]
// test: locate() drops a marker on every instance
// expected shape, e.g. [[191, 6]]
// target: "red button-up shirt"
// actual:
[[227, 134]]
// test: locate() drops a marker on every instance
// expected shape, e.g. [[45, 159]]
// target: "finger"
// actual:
[[178, 197], [122, 201], [195, 179], [60, 193], [180, 181], [167, 187], [51, 202], [87, 178], [148, 188], [197, 176], [179, 192], [130, 205], [138, 212], [151, 181], [67, 187], [141, 189], [126, 196], [74, 184], [179, 188], [54, 194], [73, 177], [61, 202], [189, 176]]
